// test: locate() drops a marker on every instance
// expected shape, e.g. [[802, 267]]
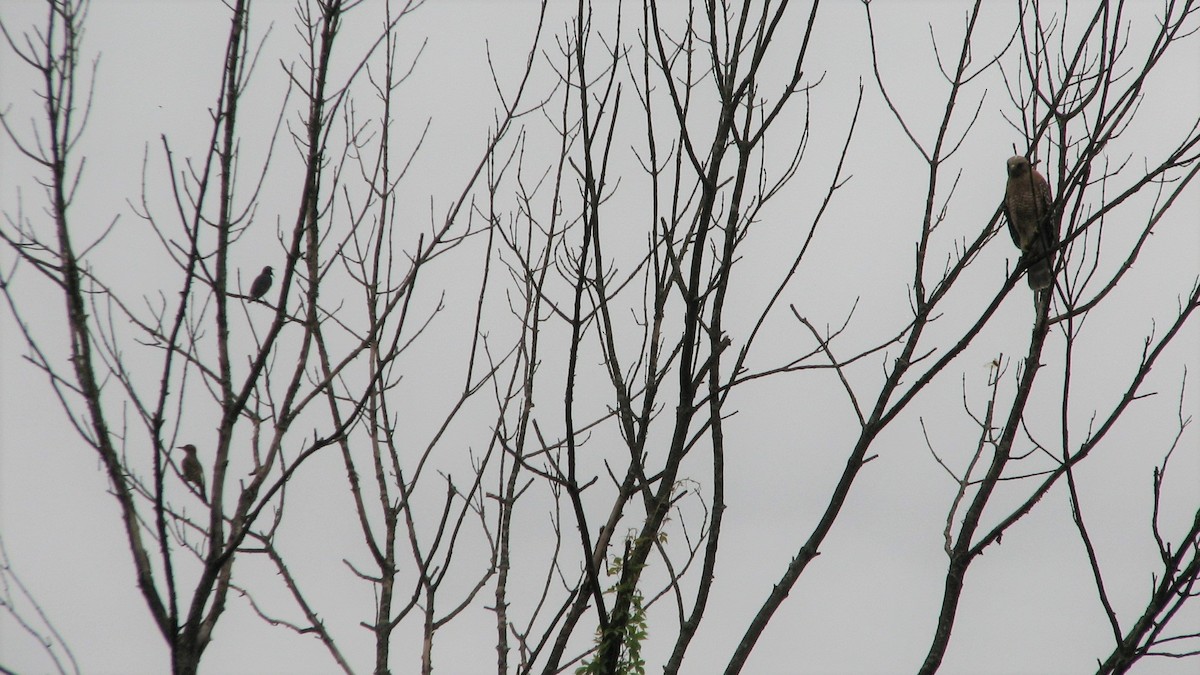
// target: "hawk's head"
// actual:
[[1017, 166]]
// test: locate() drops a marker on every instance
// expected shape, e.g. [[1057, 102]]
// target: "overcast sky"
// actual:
[[1030, 606]]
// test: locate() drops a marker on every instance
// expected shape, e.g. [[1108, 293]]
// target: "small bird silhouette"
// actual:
[[262, 283], [192, 471]]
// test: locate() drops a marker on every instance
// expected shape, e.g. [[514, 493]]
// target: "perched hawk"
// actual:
[[262, 283], [192, 471], [1027, 205]]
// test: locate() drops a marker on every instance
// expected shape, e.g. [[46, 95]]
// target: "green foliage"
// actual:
[[631, 632]]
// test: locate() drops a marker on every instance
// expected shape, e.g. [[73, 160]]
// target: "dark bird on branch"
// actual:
[[192, 471], [1028, 207], [262, 284]]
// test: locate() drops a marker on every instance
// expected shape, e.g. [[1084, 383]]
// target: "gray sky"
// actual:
[[869, 603]]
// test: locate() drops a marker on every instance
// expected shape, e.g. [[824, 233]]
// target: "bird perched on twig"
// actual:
[[192, 471], [1029, 209], [262, 283]]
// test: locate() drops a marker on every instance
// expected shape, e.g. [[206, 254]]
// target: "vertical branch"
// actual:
[[963, 552], [54, 55]]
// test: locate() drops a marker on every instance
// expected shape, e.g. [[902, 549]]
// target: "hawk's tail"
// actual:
[[1041, 269]]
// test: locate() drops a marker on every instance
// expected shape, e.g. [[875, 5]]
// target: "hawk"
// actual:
[[1027, 205], [192, 471], [262, 283]]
